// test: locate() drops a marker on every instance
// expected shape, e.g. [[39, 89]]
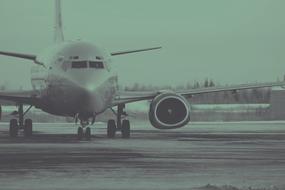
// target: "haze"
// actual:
[[228, 41]]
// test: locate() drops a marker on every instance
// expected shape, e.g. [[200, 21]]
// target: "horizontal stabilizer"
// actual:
[[133, 51]]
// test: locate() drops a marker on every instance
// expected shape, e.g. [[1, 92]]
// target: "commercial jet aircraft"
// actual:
[[74, 79]]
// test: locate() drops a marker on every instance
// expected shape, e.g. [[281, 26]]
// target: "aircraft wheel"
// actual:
[[28, 128], [126, 132], [111, 128], [80, 133], [13, 130], [88, 133]]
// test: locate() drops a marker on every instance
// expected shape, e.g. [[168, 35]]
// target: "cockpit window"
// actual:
[[79, 64], [74, 57], [96, 64], [86, 64]]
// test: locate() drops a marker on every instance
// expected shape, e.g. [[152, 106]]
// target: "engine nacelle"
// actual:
[[169, 111]]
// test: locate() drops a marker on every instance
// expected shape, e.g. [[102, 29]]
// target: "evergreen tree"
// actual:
[[196, 84], [206, 83], [212, 84]]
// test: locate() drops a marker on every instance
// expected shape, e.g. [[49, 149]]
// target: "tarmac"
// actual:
[[224, 155]]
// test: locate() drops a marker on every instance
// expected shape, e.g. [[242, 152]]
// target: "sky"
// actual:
[[229, 41]]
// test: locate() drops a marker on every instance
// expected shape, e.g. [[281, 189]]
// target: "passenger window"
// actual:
[[79, 64], [96, 64]]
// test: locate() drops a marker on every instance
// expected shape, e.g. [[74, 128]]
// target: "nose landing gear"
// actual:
[[120, 124], [83, 131]]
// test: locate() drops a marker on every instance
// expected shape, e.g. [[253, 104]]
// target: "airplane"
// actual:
[[75, 79]]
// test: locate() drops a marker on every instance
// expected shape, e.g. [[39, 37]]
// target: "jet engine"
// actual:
[[169, 110]]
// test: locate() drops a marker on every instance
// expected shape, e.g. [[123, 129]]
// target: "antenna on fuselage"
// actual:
[[58, 33]]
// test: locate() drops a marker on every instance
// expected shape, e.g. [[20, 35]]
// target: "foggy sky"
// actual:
[[230, 41]]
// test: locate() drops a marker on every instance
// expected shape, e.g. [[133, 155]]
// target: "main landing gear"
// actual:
[[121, 125], [21, 124]]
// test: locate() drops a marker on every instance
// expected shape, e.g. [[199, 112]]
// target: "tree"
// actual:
[[196, 84], [136, 87], [189, 86], [212, 84], [3, 86], [206, 83]]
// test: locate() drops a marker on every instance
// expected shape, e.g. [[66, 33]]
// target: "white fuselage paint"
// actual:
[[68, 91]]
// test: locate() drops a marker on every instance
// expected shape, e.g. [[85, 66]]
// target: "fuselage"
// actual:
[[76, 79]]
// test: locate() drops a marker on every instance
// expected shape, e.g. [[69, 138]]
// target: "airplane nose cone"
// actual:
[[84, 79], [88, 86], [88, 78]]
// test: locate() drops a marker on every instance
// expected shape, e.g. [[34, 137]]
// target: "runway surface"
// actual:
[[237, 154]]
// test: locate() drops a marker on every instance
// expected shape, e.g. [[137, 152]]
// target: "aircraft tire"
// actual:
[[126, 132], [13, 130], [88, 133], [28, 128], [80, 133], [111, 129]]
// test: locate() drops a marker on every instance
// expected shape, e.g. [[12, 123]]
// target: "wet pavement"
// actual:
[[238, 154]]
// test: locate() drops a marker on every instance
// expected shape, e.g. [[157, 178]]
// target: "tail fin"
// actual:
[[58, 33]]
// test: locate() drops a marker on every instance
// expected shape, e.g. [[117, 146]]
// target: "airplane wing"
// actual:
[[23, 97], [133, 51], [124, 97], [129, 97], [19, 55], [230, 88], [22, 56]]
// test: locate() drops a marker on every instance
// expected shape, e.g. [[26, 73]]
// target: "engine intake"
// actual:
[[169, 111]]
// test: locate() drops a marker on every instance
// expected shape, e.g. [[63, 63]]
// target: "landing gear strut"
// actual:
[[121, 125], [26, 125]]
